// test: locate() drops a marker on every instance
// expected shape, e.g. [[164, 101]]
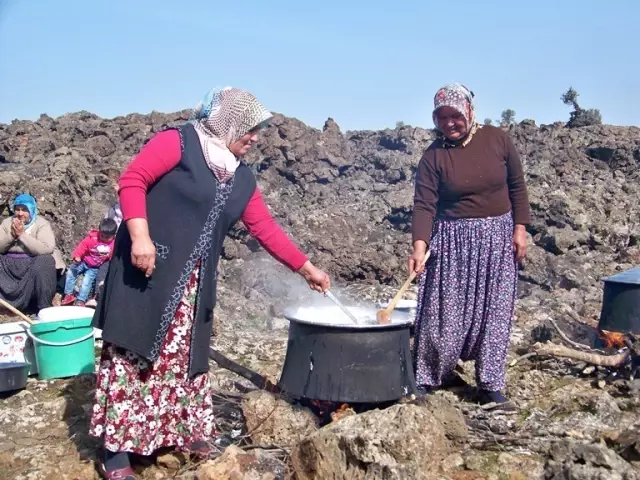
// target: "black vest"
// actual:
[[189, 215]]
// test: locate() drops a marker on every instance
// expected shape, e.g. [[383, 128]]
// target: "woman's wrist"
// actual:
[[138, 228], [419, 246], [305, 268], [520, 228]]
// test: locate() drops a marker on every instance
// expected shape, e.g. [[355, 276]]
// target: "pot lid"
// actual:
[[631, 276]]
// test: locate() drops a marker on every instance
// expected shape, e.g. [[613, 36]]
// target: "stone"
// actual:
[[583, 461], [171, 460], [452, 462], [273, 421], [403, 441], [448, 415], [237, 464], [626, 442]]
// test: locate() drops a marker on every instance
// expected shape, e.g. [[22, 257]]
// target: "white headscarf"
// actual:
[[460, 98], [222, 118]]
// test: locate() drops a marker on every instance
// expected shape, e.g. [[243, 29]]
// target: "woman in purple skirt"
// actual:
[[470, 210]]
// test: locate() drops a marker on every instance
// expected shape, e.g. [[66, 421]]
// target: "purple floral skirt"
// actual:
[[466, 300]]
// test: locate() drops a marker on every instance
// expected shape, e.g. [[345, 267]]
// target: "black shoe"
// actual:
[[424, 390], [496, 397]]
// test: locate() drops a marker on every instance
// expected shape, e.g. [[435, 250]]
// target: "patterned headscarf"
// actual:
[[223, 117], [29, 203], [455, 96], [459, 97]]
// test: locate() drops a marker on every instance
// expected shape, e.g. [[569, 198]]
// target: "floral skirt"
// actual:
[[140, 407], [466, 301]]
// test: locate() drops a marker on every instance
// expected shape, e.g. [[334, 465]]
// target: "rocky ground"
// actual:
[[346, 198]]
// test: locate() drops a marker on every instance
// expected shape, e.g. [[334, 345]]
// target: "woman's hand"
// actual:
[[143, 255], [143, 251], [17, 228], [316, 278], [520, 242], [416, 260]]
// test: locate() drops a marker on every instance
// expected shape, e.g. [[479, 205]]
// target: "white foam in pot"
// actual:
[[402, 304], [333, 315]]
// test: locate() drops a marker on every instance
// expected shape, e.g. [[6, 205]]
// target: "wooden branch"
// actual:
[[522, 357], [258, 380], [567, 339], [592, 358]]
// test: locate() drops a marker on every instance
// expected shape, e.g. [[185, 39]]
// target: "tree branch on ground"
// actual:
[[554, 350]]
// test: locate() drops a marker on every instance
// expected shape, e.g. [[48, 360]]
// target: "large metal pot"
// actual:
[[13, 376], [621, 303], [331, 359]]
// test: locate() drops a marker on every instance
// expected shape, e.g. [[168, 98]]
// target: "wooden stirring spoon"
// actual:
[[14, 310], [384, 316]]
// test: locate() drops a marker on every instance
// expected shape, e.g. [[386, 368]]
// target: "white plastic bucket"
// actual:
[[71, 312]]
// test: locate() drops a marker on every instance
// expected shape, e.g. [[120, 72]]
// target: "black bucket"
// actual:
[[621, 303]]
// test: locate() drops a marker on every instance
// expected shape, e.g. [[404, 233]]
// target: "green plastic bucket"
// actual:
[[63, 348]]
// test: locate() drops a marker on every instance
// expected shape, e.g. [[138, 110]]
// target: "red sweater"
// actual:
[[160, 155], [93, 251]]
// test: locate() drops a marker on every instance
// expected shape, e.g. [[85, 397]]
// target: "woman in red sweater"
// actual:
[[179, 198]]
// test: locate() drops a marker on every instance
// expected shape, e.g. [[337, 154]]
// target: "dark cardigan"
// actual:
[[189, 215]]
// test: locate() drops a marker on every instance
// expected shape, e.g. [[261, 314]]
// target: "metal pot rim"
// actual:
[[290, 314], [629, 277]]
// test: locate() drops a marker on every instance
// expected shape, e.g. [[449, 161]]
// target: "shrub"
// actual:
[[507, 117], [580, 117]]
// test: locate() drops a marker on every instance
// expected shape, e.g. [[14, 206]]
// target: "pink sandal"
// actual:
[[126, 473]]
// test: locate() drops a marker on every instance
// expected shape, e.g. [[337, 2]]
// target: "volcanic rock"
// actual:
[[237, 464], [404, 441], [273, 421], [346, 197], [581, 461]]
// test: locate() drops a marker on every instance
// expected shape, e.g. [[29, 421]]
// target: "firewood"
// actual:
[[565, 338], [258, 380], [592, 358]]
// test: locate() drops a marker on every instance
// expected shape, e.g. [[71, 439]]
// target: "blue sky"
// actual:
[[367, 64]]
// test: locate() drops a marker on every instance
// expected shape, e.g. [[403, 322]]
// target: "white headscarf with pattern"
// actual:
[[460, 98], [222, 118], [457, 96]]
